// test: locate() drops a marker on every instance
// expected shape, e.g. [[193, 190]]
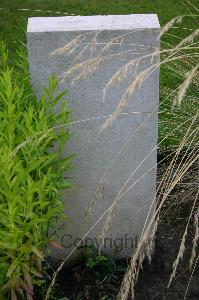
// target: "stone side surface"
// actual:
[[133, 134]]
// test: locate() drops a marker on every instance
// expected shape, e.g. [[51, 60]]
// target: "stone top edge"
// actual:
[[91, 23]]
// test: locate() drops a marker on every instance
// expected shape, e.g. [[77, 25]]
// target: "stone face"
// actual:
[[133, 134]]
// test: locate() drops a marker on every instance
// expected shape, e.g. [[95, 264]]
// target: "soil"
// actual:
[[78, 283]]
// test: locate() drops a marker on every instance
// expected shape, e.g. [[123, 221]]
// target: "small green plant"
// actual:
[[32, 176], [103, 267]]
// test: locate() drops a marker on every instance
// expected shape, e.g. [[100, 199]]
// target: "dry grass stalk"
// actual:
[[188, 40], [115, 40], [182, 245], [120, 75], [177, 174], [99, 194], [109, 44], [170, 24], [185, 85], [137, 259], [85, 68], [94, 43], [195, 240], [71, 46], [89, 68], [188, 285], [133, 86], [169, 175], [80, 54]]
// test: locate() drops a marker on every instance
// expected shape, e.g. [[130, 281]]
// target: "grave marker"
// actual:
[[133, 37]]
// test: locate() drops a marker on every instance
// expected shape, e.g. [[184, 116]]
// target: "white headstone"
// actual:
[[133, 134]]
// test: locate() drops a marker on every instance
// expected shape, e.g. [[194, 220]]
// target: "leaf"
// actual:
[[37, 253], [12, 268], [13, 295], [36, 273], [9, 284], [28, 279], [65, 162]]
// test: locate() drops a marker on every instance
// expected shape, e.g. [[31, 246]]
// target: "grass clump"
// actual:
[[32, 176]]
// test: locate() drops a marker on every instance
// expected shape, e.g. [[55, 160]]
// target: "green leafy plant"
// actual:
[[32, 176], [102, 267]]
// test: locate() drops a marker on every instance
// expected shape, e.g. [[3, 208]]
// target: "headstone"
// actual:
[[127, 147]]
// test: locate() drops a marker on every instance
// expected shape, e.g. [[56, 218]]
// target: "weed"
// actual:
[[101, 267]]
